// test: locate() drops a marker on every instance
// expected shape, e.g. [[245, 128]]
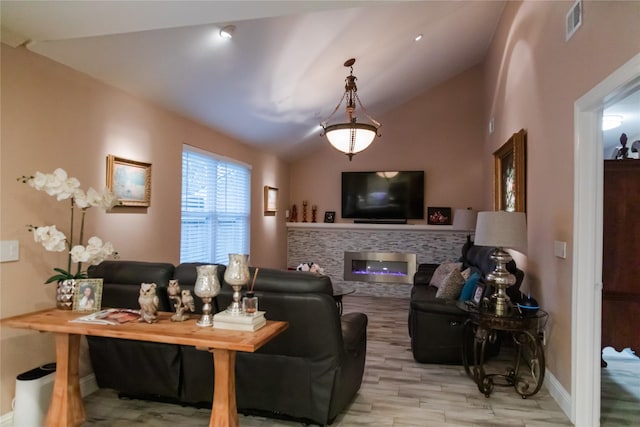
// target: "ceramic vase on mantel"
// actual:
[[207, 286], [237, 276], [64, 294]]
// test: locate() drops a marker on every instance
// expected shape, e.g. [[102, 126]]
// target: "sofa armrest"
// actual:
[[437, 305], [424, 273], [354, 331]]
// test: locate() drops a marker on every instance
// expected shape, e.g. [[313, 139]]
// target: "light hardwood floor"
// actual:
[[396, 391]]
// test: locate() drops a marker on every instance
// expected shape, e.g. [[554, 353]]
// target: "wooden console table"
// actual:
[[67, 409]]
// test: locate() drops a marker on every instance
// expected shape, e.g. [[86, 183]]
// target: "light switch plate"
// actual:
[[560, 249], [9, 250]]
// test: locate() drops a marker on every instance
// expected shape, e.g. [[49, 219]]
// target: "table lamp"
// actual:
[[501, 230], [465, 220]]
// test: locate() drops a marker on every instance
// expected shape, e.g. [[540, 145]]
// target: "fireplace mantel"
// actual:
[[326, 243], [353, 226]]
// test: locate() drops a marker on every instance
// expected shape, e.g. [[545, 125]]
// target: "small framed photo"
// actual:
[[87, 295], [329, 216], [270, 200], [130, 181], [439, 216], [478, 293]]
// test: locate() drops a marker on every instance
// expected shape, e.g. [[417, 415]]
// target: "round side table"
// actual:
[[527, 371]]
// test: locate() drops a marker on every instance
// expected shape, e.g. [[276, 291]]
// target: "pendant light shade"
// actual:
[[351, 137]]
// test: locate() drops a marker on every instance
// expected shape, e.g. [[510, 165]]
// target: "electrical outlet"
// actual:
[[9, 250]]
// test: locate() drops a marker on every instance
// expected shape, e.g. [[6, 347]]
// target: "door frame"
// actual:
[[586, 321]]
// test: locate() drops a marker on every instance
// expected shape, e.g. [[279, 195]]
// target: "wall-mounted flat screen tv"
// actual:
[[393, 195]]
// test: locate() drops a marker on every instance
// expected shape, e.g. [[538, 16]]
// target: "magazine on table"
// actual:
[[111, 316]]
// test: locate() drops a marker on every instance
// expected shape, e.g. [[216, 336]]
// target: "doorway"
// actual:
[[587, 240]]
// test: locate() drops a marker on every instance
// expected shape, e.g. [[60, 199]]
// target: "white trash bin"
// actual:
[[33, 395]]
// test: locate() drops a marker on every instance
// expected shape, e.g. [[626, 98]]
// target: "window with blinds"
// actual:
[[215, 207]]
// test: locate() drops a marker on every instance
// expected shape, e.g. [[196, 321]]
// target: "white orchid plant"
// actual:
[[61, 186]]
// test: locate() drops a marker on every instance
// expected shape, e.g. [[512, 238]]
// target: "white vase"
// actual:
[[237, 276], [207, 286]]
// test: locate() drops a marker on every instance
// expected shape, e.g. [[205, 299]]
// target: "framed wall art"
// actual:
[[130, 181], [439, 216], [270, 200], [330, 216], [87, 295], [510, 174]]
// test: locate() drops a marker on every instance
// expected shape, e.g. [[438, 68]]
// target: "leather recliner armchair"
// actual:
[[436, 326], [310, 372]]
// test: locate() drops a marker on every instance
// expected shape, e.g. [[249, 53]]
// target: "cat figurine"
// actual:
[[148, 301]]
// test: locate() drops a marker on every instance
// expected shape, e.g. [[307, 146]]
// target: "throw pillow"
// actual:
[[451, 286], [469, 286], [442, 271]]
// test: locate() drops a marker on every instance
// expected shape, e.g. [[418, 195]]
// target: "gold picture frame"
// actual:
[[510, 174], [130, 180], [87, 301], [270, 200]]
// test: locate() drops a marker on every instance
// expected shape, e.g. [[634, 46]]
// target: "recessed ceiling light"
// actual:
[[418, 37], [227, 31], [611, 122]]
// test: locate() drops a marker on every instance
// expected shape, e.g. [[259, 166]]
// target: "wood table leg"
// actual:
[[66, 409], [224, 412]]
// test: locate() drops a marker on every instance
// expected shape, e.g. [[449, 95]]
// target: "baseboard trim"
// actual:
[[88, 385], [559, 394]]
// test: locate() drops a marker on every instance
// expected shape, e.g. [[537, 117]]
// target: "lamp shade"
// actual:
[[502, 229], [464, 219], [350, 137]]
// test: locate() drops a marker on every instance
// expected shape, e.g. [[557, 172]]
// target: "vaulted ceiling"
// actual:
[[282, 72]]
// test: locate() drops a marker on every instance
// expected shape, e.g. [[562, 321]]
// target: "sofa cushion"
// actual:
[[442, 272], [469, 287], [451, 286]]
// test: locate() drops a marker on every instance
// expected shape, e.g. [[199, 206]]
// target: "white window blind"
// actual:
[[215, 207]]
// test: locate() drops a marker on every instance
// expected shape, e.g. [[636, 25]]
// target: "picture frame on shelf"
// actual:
[[270, 200], [439, 215], [87, 296], [130, 180], [478, 293], [330, 217], [510, 174]]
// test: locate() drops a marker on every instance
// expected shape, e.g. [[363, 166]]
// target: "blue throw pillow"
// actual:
[[469, 286]]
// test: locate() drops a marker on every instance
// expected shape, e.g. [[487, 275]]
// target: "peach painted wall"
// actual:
[[440, 132], [53, 116], [533, 78]]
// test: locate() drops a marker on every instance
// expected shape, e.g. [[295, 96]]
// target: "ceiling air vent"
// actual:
[[574, 19]]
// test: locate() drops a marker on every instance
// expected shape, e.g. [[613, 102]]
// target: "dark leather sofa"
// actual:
[[436, 325], [311, 372]]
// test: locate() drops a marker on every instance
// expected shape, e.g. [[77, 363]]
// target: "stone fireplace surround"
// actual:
[[326, 243]]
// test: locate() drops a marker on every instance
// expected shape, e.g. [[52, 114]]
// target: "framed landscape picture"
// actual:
[[510, 174], [270, 200], [130, 181]]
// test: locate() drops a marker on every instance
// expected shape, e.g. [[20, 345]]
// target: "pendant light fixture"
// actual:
[[351, 137]]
